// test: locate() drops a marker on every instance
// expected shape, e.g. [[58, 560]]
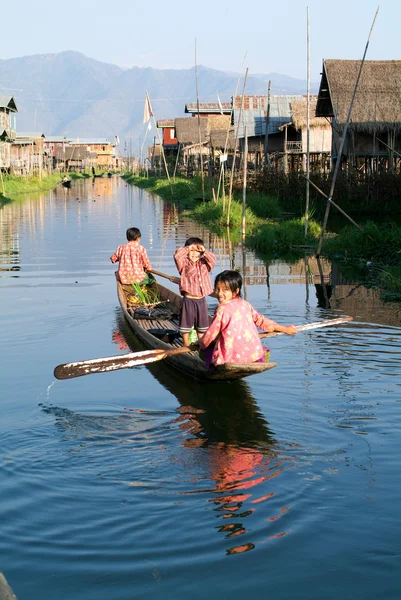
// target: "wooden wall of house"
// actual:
[[5, 153], [319, 140], [169, 136], [4, 120]]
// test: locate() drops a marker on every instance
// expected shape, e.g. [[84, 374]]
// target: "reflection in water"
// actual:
[[238, 450]]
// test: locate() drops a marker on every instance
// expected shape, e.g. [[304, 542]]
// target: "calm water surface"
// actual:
[[144, 484]]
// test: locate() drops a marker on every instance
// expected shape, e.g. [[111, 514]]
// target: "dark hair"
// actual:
[[133, 233], [193, 240], [231, 279]]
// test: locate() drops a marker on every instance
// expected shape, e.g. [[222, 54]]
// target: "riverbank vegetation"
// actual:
[[375, 251], [21, 184], [276, 228], [18, 184]]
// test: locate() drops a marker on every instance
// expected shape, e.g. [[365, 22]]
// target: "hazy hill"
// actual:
[[71, 94]]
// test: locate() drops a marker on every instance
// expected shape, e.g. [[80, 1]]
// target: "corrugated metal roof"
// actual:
[[54, 139], [208, 107], [31, 135], [255, 110], [165, 123], [7, 101], [92, 141]]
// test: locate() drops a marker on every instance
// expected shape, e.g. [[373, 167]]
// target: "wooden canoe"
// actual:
[[189, 363]]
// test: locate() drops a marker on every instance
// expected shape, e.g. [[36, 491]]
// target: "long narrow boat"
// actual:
[[163, 333]]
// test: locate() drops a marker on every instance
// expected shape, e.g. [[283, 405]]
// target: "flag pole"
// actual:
[[149, 106]]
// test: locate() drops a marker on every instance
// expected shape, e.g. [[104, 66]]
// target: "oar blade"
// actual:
[[125, 361]]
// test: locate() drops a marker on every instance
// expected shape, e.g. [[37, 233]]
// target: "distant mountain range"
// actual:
[[73, 95]]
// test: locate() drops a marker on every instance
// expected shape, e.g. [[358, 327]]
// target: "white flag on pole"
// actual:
[[147, 109], [220, 105]]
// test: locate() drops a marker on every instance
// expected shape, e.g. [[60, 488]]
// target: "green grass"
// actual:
[[18, 184], [376, 250], [284, 237], [381, 243]]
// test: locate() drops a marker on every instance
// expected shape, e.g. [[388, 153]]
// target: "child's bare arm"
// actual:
[[210, 259], [287, 329]]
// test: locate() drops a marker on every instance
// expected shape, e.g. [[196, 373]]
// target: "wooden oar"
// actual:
[[135, 359], [170, 277], [308, 326], [175, 279]]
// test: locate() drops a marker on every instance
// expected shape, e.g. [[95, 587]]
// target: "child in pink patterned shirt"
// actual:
[[233, 334], [132, 258], [194, 264]]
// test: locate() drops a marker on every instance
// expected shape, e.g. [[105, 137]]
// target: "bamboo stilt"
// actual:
[[235, 149], [342, 142]]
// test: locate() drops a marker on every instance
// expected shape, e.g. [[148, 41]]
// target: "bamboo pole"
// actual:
[[244, 183], [199, 127], [221, 178], [161, 145], [342, 142], [335, 205], [176, 161], [266, 144], [307, 122], [2, 182], [235, 148]]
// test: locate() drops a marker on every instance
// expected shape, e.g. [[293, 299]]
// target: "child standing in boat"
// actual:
[[132, 258], [232, 335], [194, 264]]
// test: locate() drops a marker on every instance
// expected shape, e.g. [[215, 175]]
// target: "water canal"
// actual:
[[142, 484]]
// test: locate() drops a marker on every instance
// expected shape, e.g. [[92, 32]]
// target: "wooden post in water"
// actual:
[[266, 146], [2, 183], [235, 148], [307, 122], [161, 144], [244, 183], [199, 128], [222, 167], [342, 142]]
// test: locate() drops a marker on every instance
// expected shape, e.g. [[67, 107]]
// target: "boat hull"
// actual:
[[189, 363]]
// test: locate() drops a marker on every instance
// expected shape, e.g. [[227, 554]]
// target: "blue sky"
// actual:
[[161, 34]]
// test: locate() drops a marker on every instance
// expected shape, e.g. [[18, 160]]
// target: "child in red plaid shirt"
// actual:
[[132, 258], [194, 264]]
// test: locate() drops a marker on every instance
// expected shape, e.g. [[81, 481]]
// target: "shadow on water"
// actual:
[[225, 411], [242, 456]]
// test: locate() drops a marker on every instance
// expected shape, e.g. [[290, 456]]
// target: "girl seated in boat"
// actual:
[[232, 335]]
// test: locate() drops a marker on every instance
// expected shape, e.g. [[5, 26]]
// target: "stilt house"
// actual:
[[8, 110], [266, 123], [374, 134]]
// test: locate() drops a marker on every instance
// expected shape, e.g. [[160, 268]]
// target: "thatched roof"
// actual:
[[161, 123], [72, 153], [208, 107], [299, 114], [377, 103], [218, 138], [187, 130]]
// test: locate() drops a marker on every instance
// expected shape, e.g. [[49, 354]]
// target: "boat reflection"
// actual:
[[240, 457]]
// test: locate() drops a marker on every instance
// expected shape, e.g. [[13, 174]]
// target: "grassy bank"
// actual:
[[267, 230], [19, 184], [16, 184], [375, 251]]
